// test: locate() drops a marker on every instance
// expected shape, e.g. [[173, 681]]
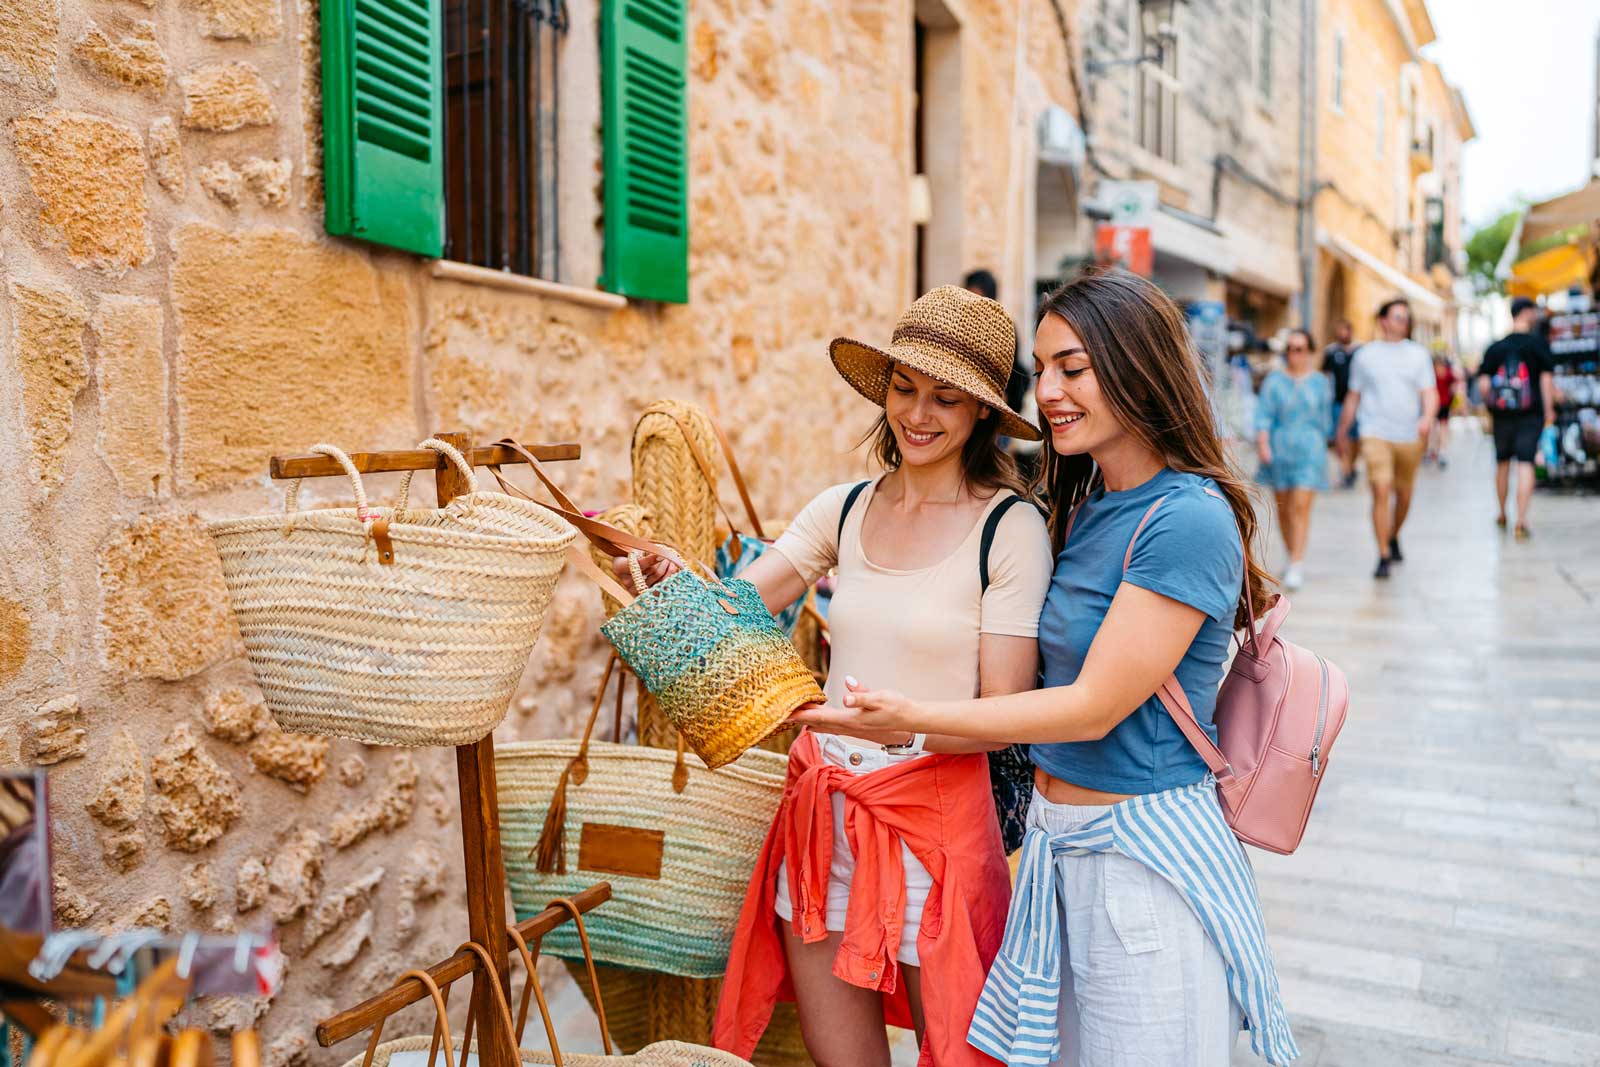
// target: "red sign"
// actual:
[[1124, 246]]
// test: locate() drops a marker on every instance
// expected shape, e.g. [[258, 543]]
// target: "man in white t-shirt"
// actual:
[[1392, 394]]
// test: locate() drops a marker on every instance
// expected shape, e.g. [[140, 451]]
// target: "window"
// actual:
[[1157, 96], [1338, 72], [1383, 105], [500, 148], [1264, 49]]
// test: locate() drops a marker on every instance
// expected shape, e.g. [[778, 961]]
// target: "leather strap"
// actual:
[[532, 986], [492, 979], [850, 502], [738, 478], [990, 526]]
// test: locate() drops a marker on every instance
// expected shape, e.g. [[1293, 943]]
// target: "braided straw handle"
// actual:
[[441, 1023], [451, 453], [291, 500]]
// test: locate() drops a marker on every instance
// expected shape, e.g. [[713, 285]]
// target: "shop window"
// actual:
[[1264, 50], [1158, 99]]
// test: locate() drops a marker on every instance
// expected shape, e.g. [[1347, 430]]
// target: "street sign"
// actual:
[[1124, 239]]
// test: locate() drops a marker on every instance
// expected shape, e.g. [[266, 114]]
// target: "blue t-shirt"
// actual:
[[1189, 551]]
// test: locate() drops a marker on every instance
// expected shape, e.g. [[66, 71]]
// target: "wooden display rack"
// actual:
[[480, 816]]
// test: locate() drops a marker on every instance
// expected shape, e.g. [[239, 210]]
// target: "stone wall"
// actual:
[[171, 314]]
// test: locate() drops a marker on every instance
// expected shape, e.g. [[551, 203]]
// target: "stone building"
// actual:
[[173, 312], [1390, 132], [1213, 117]]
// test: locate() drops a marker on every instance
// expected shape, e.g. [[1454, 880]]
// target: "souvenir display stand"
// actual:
[[475, 774]]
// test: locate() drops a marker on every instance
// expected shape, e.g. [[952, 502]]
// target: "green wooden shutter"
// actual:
[[646, 119], [382, 122]]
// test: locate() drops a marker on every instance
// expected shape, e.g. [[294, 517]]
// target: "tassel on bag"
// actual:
[[550, 853]]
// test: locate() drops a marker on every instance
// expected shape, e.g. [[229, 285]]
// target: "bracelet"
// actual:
[[910, 748]]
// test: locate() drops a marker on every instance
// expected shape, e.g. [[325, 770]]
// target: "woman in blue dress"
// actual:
[[1294, 419]]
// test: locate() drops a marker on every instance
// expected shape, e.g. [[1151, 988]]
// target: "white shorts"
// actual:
[[1141, 983], [839, 752]]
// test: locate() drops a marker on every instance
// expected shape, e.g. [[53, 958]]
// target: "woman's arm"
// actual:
[[773, 576], [1141, 642]]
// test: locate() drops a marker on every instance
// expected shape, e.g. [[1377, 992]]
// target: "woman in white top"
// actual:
[[909, 604]]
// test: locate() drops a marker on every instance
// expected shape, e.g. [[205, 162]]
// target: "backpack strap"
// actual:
[[991, 526], [850, 502], [1171, 693]]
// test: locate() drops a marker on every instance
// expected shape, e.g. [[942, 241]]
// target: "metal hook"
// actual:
[[191, 942], [57, 950]]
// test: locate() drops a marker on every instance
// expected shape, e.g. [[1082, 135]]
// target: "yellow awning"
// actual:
[[1551, 271]]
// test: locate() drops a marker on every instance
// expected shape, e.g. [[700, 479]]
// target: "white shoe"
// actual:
[[1293, 578]]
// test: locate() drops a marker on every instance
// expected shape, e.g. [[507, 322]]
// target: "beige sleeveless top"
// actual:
[[917, 631]]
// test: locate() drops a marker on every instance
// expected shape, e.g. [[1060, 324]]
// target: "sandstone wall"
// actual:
[[171, 314]]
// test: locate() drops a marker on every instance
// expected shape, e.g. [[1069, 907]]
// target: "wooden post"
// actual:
[[480, 842]]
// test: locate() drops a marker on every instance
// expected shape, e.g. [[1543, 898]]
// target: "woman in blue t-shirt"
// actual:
[[1135, 910]]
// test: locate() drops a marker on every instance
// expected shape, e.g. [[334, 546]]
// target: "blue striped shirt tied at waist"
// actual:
[[1181, 835]]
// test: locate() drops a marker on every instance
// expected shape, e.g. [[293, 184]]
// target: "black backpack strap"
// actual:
[[849, 502], [991, 525]]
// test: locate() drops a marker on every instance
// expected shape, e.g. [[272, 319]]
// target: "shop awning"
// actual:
[[1405, 285], [1551, 271], [1577, 208]]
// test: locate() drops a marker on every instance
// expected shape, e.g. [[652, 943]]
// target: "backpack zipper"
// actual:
[[1322, 717]]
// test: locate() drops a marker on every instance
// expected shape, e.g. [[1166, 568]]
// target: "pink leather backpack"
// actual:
[[1278, 713]]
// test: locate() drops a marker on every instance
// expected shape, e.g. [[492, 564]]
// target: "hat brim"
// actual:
[[868, 369]]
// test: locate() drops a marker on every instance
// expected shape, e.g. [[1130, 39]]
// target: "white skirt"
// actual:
[[843, 752]]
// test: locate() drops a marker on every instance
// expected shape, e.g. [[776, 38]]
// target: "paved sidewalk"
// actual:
[[1445, 907]]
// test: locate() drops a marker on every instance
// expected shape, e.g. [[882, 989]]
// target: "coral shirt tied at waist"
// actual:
[[941, 808], [1181, 835]]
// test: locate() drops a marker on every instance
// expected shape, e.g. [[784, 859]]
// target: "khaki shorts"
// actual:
[[1391, 462]]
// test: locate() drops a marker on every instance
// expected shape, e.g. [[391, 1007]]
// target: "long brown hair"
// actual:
[[983, 462], [1151, 378]]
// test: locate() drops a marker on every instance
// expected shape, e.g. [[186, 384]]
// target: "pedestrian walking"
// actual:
[[1447, 382], [1516, 382], [1394, 395], [1336, 360], [1107, 960], [939, 586], [1294, 420]]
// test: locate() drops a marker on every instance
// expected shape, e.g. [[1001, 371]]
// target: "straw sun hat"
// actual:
[[954, 336]]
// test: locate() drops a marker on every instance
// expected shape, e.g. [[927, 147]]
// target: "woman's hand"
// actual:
[[656, 569], [867, 714]]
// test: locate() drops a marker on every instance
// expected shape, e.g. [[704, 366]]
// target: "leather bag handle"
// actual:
[[441, 1023], [492, 978]]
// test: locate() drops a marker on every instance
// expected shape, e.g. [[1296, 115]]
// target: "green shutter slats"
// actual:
[[645, 114], [382, 115]]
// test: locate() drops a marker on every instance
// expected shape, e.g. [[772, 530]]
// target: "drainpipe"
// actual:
[[1308, 160]]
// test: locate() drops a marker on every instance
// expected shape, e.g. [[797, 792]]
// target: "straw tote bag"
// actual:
[[423, 1051], [676, 841], [393, 626], [706, 648]]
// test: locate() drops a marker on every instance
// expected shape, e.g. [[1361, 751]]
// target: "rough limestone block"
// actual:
[[250, 886], [15, 626], [336, 909], [163, 604], [268, 179], [55, 733], [28, 31], [251, 20], [199, 887], [388, 809], [343, 952], [153, 914], [222, 183], [166, 155], [352, 771], [135, 59], [119, 794], [298, 759], [327, 357], [47, 342], [88, 173], [123, 850], [422, 880], [235, 714], [294, 877], [72, 908], [196, 800], [131, 380], [221, 97]]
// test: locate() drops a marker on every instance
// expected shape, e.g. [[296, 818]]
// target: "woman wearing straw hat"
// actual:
[[1135, 934], [880, 893]]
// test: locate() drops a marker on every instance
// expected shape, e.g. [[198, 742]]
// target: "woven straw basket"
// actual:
[[676, 919], [661, 1054], [422, 648]]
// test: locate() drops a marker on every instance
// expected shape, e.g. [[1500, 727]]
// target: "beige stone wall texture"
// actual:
[[171, 314]]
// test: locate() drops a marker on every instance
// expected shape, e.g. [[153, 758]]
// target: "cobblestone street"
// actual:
[[1445, 907]]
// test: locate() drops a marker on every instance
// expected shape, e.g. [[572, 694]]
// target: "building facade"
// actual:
[[1388, 195], [173, 312]]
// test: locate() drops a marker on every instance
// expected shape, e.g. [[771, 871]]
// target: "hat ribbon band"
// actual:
[[956, 345]]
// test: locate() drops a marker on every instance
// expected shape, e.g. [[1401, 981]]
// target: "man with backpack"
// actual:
[[1515, 381]]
